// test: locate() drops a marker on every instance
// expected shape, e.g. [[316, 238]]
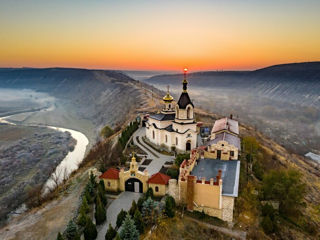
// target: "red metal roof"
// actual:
[[111, 173], [159, 178]]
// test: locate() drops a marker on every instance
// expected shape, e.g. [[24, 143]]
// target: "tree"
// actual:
[[71, 231], [170, 205], [117, 237], [286, 187], [138, 221], [120, 218], [103, 187], [84, 206], [180, 157], [90, 230], [149, 193], [173, 173], [87, 195], [111, 233], [82, 219], [149, 211], [100, 213], [140, 203], [101, 194], [129, 230], [133, 208], [59, 237], [106, 132], [92, 179]]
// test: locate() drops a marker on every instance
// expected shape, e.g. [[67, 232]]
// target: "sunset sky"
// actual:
[[158, 35]]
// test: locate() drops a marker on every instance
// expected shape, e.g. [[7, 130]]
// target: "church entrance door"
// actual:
[[133, 185], [188, 146]]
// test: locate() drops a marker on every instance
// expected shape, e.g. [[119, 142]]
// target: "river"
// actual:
[[72, 160]]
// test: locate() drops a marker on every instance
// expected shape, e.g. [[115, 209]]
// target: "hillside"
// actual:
[[80, 99], [282, 101]]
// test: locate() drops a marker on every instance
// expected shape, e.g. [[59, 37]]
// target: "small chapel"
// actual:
[[174, 127]]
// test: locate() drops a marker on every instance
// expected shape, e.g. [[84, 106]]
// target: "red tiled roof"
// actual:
[[111, 173], [159, 178]]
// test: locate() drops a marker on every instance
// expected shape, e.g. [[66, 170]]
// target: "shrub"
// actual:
[[138, 221], [59, 237], [106, 132], [90, 230], [170, 205], [111, 233], [173, 173], [100, 213], [120, 218], [180, 157], [257, 170], [129, 230], [267, 225]]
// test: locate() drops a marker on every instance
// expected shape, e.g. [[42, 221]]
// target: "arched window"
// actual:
[[166, 138], [176, 141], [153, 134], [156, 189], [189, 113], [169, 106]]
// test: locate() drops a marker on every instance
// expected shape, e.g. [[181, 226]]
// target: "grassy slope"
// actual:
[[272, 156]]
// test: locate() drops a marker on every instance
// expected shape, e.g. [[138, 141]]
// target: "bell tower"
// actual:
[[168, 103]]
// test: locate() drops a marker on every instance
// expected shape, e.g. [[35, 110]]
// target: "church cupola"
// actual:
[[168, 102], [184, 108]]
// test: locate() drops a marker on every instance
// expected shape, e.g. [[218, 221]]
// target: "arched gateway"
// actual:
[[134, 185]]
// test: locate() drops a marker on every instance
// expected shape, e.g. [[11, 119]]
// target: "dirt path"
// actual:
[[46, 222], [233, 233]]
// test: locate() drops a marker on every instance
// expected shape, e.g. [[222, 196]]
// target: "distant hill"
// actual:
[[295, 82], [100, 96]]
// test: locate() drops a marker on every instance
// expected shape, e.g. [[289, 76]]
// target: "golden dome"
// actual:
[[168, 97]]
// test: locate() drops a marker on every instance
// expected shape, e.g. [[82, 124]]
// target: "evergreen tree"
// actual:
[[149, 193], [120, 218], [149, 211], [111, 233], [59, 237], [101, 193], [100, 213], [90, 230], [169, 206], [82, 219], [88, 197], [129, 230], [101, 183], [92, 179], [138, 221], [133, 208], [71, 231], [140, 203], [117, 237], [84, 206]]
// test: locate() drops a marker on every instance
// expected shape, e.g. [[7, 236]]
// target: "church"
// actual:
[[174, 127]]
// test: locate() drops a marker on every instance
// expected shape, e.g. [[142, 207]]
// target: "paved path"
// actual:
[[157, 161], [124, 202]]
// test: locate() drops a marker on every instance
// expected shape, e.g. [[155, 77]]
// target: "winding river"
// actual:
[[72, 160]]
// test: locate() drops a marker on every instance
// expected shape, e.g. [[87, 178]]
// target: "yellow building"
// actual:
[[134, 180]]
